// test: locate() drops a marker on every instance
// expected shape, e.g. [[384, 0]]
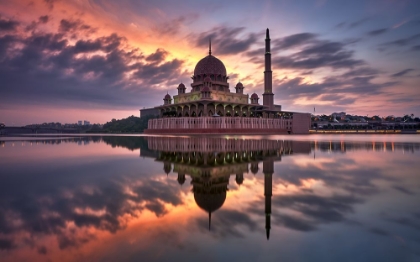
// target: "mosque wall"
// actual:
[[215, 144], [301, 123], [219, 125]]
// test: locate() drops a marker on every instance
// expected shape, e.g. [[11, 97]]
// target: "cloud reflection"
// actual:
[[74, 203]]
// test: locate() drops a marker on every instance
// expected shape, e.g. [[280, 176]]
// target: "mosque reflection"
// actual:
[[210, 162]]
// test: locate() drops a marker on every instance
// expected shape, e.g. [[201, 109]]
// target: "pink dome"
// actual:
[[181, 86], [167, 97], [254, 95], [210, 65], [239, 84]]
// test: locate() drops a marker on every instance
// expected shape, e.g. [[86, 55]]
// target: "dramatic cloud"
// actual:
[[41, 20], [157, 57], [44, 19], [103, 70], [352, 77], [313, 210], [403, 72], [358, 22], [173, 26], [227, 40], [6, 244], [178, 36], [402, 41], [403, 190], [310, 52], [416, 48], [8, 25], [378, 32], [292, 41], [227, 223], [50, 4], [334, 89], [72, 26], [324, 54], [43, 209]]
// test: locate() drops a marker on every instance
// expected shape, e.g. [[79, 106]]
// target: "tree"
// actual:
[[131, 124]]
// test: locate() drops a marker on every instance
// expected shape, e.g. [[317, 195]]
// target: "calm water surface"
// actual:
[[277, 198]]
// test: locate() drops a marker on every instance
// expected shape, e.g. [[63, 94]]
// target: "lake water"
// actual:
[[247, 198]]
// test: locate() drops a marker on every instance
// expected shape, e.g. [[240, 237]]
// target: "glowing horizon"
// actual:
[[64, 61]]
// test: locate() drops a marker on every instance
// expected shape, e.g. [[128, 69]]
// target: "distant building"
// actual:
[[339, 116], [79, 122], [86, 123]]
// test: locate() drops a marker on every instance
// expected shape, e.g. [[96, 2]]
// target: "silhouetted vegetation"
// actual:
[[131, 124], [129, 142]]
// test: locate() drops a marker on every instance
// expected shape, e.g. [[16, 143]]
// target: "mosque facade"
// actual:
[[211, 107]]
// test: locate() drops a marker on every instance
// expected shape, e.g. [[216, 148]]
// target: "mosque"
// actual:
[[210, 106]]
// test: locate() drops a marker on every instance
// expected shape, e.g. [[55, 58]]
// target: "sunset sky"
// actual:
[[95, 60]]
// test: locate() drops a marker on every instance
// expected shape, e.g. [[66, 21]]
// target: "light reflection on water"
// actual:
[[302, 198]]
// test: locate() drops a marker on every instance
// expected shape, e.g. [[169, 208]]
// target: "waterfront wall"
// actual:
[[221, 125], [215, 144], [301, 123]]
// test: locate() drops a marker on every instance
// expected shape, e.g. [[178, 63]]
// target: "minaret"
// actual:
[[268, 170], [268, 96]]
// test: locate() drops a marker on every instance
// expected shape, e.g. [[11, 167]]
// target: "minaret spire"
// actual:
[[209, 45], [268, 96]]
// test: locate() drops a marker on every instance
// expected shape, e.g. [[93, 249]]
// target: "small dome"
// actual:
[[167, 97], [239, 84], [239, 179], [167, 168], [205, 89], [254, 95], [181, 179], [254, 168], [181, 86]]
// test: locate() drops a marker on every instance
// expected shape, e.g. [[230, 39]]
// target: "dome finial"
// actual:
[[209, 45], [209, 221]]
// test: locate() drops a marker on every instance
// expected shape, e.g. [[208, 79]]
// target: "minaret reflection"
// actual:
[[268, 170], [211, 161]]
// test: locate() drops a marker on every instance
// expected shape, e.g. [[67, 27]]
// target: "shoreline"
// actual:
[[365, 132], [311, 132]]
